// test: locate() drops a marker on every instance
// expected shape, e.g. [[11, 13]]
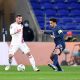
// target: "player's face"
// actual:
[[19, 20], [52, 24]]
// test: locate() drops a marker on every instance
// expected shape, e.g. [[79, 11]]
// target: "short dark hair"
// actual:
[[53, 19], [18, 15]]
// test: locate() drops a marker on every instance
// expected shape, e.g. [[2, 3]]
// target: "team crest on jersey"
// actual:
[[60, 31]]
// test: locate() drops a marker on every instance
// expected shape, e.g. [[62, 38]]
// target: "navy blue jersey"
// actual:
[[59, 37]]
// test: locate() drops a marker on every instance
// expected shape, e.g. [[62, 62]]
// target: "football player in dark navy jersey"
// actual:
[[59, 41]]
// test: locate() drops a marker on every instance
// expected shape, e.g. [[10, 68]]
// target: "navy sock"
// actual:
[[55, 59], [55, 62], [58, 66]]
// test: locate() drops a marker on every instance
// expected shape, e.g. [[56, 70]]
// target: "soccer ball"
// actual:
[[20, 67]]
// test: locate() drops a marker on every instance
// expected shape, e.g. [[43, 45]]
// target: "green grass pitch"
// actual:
[[46, 73]]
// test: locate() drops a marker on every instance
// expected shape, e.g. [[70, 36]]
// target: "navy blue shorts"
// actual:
[[60, 47]]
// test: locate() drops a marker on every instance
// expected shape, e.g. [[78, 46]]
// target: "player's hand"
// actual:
[[52, 36], [18, 30]]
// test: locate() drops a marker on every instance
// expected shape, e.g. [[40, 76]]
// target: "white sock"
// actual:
[[32, 61]]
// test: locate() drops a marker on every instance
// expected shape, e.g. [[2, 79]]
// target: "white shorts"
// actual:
[[23, 47]]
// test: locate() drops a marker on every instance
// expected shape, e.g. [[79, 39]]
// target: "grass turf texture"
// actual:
[[46, 73]]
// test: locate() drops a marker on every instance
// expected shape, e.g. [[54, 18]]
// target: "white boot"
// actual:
[[7, 68], [36, 69]]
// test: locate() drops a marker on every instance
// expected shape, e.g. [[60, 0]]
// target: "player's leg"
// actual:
[[51, 65], [54, 58], [26, 51], [10, 58], [12, 50], [10, 62]]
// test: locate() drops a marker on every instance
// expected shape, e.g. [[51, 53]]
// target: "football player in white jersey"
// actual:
[[17, 42]]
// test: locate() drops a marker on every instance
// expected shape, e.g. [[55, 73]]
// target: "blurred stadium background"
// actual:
[[38, 12]]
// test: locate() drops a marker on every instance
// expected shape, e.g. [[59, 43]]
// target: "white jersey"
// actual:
[[17, 37]]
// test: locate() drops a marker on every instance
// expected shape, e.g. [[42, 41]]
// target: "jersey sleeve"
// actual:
[[12, 30], [47, 32]]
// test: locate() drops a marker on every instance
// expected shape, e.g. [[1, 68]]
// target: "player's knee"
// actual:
[[29, 55], [11, 55], [27, 52], [57, 51]]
